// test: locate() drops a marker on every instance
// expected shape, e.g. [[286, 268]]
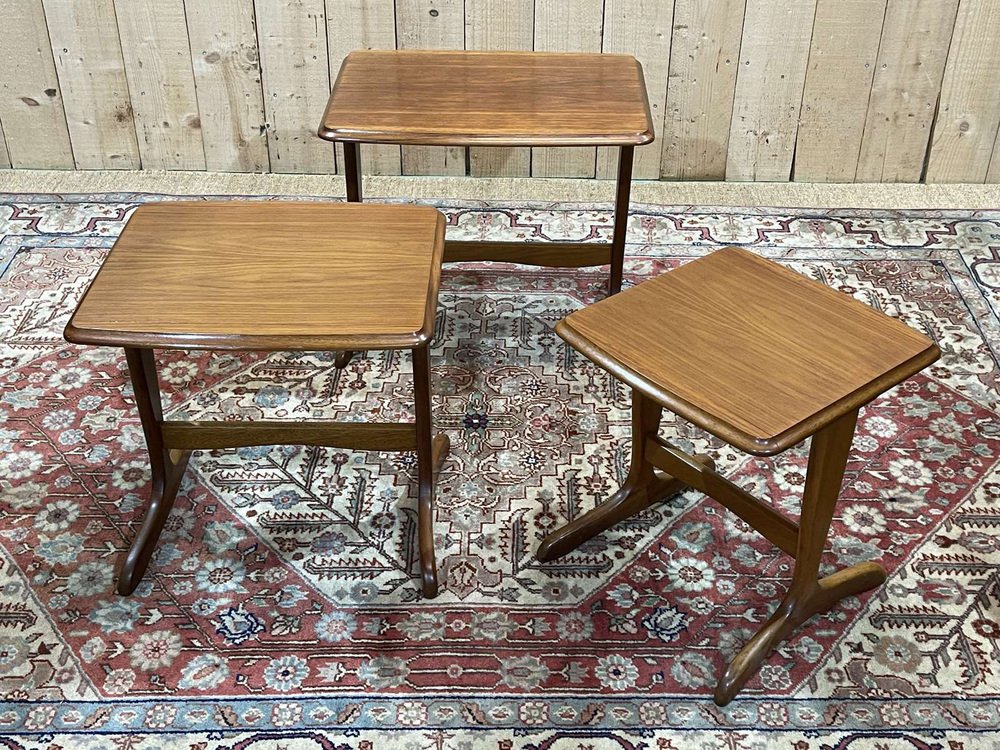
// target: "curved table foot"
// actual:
[[135, 560], [342, 359], [425, 518], [792, 612], [635, 495]]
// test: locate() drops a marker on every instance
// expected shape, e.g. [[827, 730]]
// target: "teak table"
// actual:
[[275, 276], [763, 358], [496, 99]]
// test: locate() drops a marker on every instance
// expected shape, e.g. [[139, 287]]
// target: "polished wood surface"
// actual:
[[747, 349], [488, 98], [267, 275], [763, 358]]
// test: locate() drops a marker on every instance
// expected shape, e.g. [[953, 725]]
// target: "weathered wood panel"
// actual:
[[640, 28], [566, 26], [704, 58], [296, 80], [837, 88], [362, 24], [227, 75], [161, 83], [744, 87], [769, 89], [88, 57], [969, 114], [499, 25], [911, 60], [431, 24], [31, 106]]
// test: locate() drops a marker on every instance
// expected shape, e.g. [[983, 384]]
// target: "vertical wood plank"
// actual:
[[431, 24], [838, 85], [704, 59], [969, 115], [641, 28], [161, 83], [499, 25], [88, 57], [905, 91], [31, 106], [227, 76], [296, 77], [362, 24], [567, 26], [773, 59]]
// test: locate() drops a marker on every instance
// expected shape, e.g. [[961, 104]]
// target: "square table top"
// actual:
[[267, 276], [747, 349], [488, 98]]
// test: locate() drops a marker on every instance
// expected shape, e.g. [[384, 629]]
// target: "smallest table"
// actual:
[[272, 276], [456, 98], [762, 358]]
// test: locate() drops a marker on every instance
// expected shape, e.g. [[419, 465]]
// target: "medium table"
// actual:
[[421, 97], [274, 276]]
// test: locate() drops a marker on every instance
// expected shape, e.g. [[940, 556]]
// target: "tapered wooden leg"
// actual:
[[430, 454], [807, 596], [622, 192], [342, 359], [167, 469], [643, 487], [352, 171]]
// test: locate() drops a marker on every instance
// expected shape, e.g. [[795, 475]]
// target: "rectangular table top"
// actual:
[[747, 349], [422, 97], [267, 276]]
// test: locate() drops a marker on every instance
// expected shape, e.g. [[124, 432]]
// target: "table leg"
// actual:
[[352, 171], [352, 176], [430, 453], [643, 487], [167, 469], [622, 192], [808, 595]]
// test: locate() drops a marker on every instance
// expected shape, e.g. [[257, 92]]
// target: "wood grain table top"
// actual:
[[267, 276], [492, 98], [747, 349]]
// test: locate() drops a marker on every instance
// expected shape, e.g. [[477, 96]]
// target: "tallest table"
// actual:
[[430, 98]]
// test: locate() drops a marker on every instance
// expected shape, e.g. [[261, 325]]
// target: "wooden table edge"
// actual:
[[736, 437], [249, 343], [416, 138]]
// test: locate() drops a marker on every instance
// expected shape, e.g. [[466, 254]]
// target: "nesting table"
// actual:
[[763, 358], [439, 98], [274, 276]]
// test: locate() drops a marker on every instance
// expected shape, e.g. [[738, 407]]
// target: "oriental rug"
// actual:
[[282, 607]]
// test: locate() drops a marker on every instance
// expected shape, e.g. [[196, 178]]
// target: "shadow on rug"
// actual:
[[282, 606]]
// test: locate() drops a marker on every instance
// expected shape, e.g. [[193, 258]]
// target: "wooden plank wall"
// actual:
[[765, 90]]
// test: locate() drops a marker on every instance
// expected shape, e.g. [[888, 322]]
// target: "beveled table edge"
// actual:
[[740, 439], [271, 342], [426, 138], [336, 134]]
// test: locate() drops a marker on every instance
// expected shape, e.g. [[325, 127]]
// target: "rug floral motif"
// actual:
[[282, 606]]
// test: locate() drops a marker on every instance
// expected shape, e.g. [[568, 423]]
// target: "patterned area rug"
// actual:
[[282, 607]]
